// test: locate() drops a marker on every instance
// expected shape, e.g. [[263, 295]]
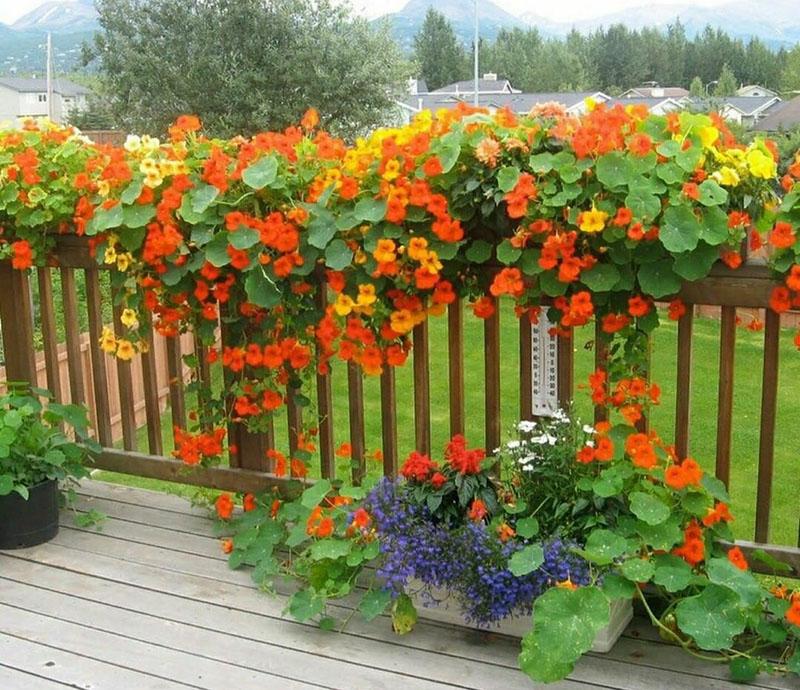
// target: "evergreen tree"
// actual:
[[697, 88], [790, 77], [726, 84], [440, 57]]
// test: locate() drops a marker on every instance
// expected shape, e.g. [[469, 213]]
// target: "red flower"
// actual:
[[249, 502], [432, 167], [736, 556], [22, 258], [477, 511], [417, 467], [224, 506]]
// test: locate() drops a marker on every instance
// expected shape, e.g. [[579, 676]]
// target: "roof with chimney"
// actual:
[[64, 87]]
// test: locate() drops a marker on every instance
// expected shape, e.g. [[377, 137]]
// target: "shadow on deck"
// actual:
[[149, 602]]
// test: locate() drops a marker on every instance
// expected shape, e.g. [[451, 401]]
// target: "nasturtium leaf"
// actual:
[[370, 210], [507, 177], [527, 527], [608, 483], [601, 277], [322, 228], [744, 669], [6, 484], [570, 617], [648, 508], [132, 191], [672, 573], [448, 156], [541, 667], [722, 572], [374, 603], [262, 173], [541, 162], [771, 631], [618, 587], [526, 560], [133, 237], [244, 238], [638, 569], [297, 535], [330, 548], [304, 605], [217, 250], [570, 174], [236, 559], [261, 289], [202, 197], [658, 279], [680, 229], [137, 216], [689, 158], [696, 264], [105, 219], [711, 194], [603, 546], [669, 148], [770, 561], [507, 253], [551, 285], [794, 662], [613, 169], [714, 226], [670, 172], [404, 615], [314, 494], [716, 488], [713, 617], [479, 252], [338, 255], [644, 205]]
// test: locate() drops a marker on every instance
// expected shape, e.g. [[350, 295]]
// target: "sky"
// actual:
[[563, 10]]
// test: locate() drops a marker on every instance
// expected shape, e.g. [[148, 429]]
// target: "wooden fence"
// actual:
[[748, 287]]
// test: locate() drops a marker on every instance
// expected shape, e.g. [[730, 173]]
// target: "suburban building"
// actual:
[[781, 118], [744, 110], [27, 97], [755, 91], [656, 91]]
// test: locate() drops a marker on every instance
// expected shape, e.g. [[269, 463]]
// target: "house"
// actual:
[[656, 91], [493, 93], [781, 118], [755, 91], [656, 105], [743, 110], [27, 97]]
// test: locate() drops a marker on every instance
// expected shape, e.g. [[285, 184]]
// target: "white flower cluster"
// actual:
[[536, 439]]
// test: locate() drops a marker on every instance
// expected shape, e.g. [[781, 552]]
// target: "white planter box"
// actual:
[[448, 611]]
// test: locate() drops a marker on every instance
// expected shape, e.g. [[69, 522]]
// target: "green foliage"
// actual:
[[726, 83], [34, 445], [439, 56], [244, 66]]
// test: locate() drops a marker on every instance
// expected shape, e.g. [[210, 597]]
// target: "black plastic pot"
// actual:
[[28, 523]]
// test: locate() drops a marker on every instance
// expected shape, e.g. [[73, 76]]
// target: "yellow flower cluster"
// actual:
[[121, 347]]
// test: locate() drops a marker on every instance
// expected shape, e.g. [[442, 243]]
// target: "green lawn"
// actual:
[[786, 510]]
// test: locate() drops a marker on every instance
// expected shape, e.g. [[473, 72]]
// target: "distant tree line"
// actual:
[[609, 59]]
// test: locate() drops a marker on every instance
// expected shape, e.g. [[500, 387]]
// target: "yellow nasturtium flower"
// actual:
[[402, 321], [593, 221], [708, 135], [384, 252], [418, 248], [761, 164], [128, 318], [125, 350], [108, 342], [343, 305], [726, 176], [124, 261], [110, 256], [366, 295]]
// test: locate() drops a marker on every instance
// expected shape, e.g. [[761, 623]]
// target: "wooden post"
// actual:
[[17, 324]]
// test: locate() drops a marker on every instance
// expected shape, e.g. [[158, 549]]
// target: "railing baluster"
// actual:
[[491, 358], [294, 419], [177, 399], [601, 363], [455, 365], [684, 383], [99, 369], [355, 394], [17, 320], [766, 443], [727, 349], [49, 334], [422, 390], [125, 378], [77, 393], [325, 398], [389, 422], [525, 368], [152, 410]]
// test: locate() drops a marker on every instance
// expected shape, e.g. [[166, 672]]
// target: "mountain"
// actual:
[[407, 22], [776, 22], [59, 16]]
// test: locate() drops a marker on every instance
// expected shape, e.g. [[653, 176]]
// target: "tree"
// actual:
[[696, 88], [790, 77], [245, 66], [440, 57], [726, 84]]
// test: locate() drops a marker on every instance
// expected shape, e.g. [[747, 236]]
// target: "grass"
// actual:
[[785, 519]]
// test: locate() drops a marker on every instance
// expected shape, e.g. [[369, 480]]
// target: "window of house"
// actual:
[[42, 98]]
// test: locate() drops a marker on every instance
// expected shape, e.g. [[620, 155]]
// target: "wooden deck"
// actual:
[[149, 602]]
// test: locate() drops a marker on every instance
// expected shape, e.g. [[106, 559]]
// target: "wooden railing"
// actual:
[[249, 469]]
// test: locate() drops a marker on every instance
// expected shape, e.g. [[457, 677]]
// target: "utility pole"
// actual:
[[49, 76], [476, 99]]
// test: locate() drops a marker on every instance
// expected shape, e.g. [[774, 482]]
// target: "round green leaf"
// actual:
[[370, 210], [613, 169], [722, 572], [638, 569], [527, 527], [711, 194], [601, 277], [603, 546], [261, 290], [712, 618], [338, 255], [680, 230], [526, 560], [658, 279], [648, 508], [262, 173], [202, 197], [507, 177], [672, 573]]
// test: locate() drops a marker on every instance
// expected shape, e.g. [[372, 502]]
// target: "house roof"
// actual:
[[655, 92], [518, 102], [743, 90], [649, 102], [747, 105], [784, 116], [32, 85], [484, 86]]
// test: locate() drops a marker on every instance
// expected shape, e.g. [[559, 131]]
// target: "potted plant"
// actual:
[[41, 443]]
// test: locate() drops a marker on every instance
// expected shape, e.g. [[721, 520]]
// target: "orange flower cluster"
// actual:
[[693, 549], [192, 448], [462, 459], [558, 251], [682, 475], [319, 524], [719, 513], [517, 199], [576, 310]]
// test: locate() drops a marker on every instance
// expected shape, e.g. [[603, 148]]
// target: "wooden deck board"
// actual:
[[149, 602]]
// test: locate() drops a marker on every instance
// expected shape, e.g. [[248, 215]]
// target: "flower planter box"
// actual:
[[32, 522], [448, 611]]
